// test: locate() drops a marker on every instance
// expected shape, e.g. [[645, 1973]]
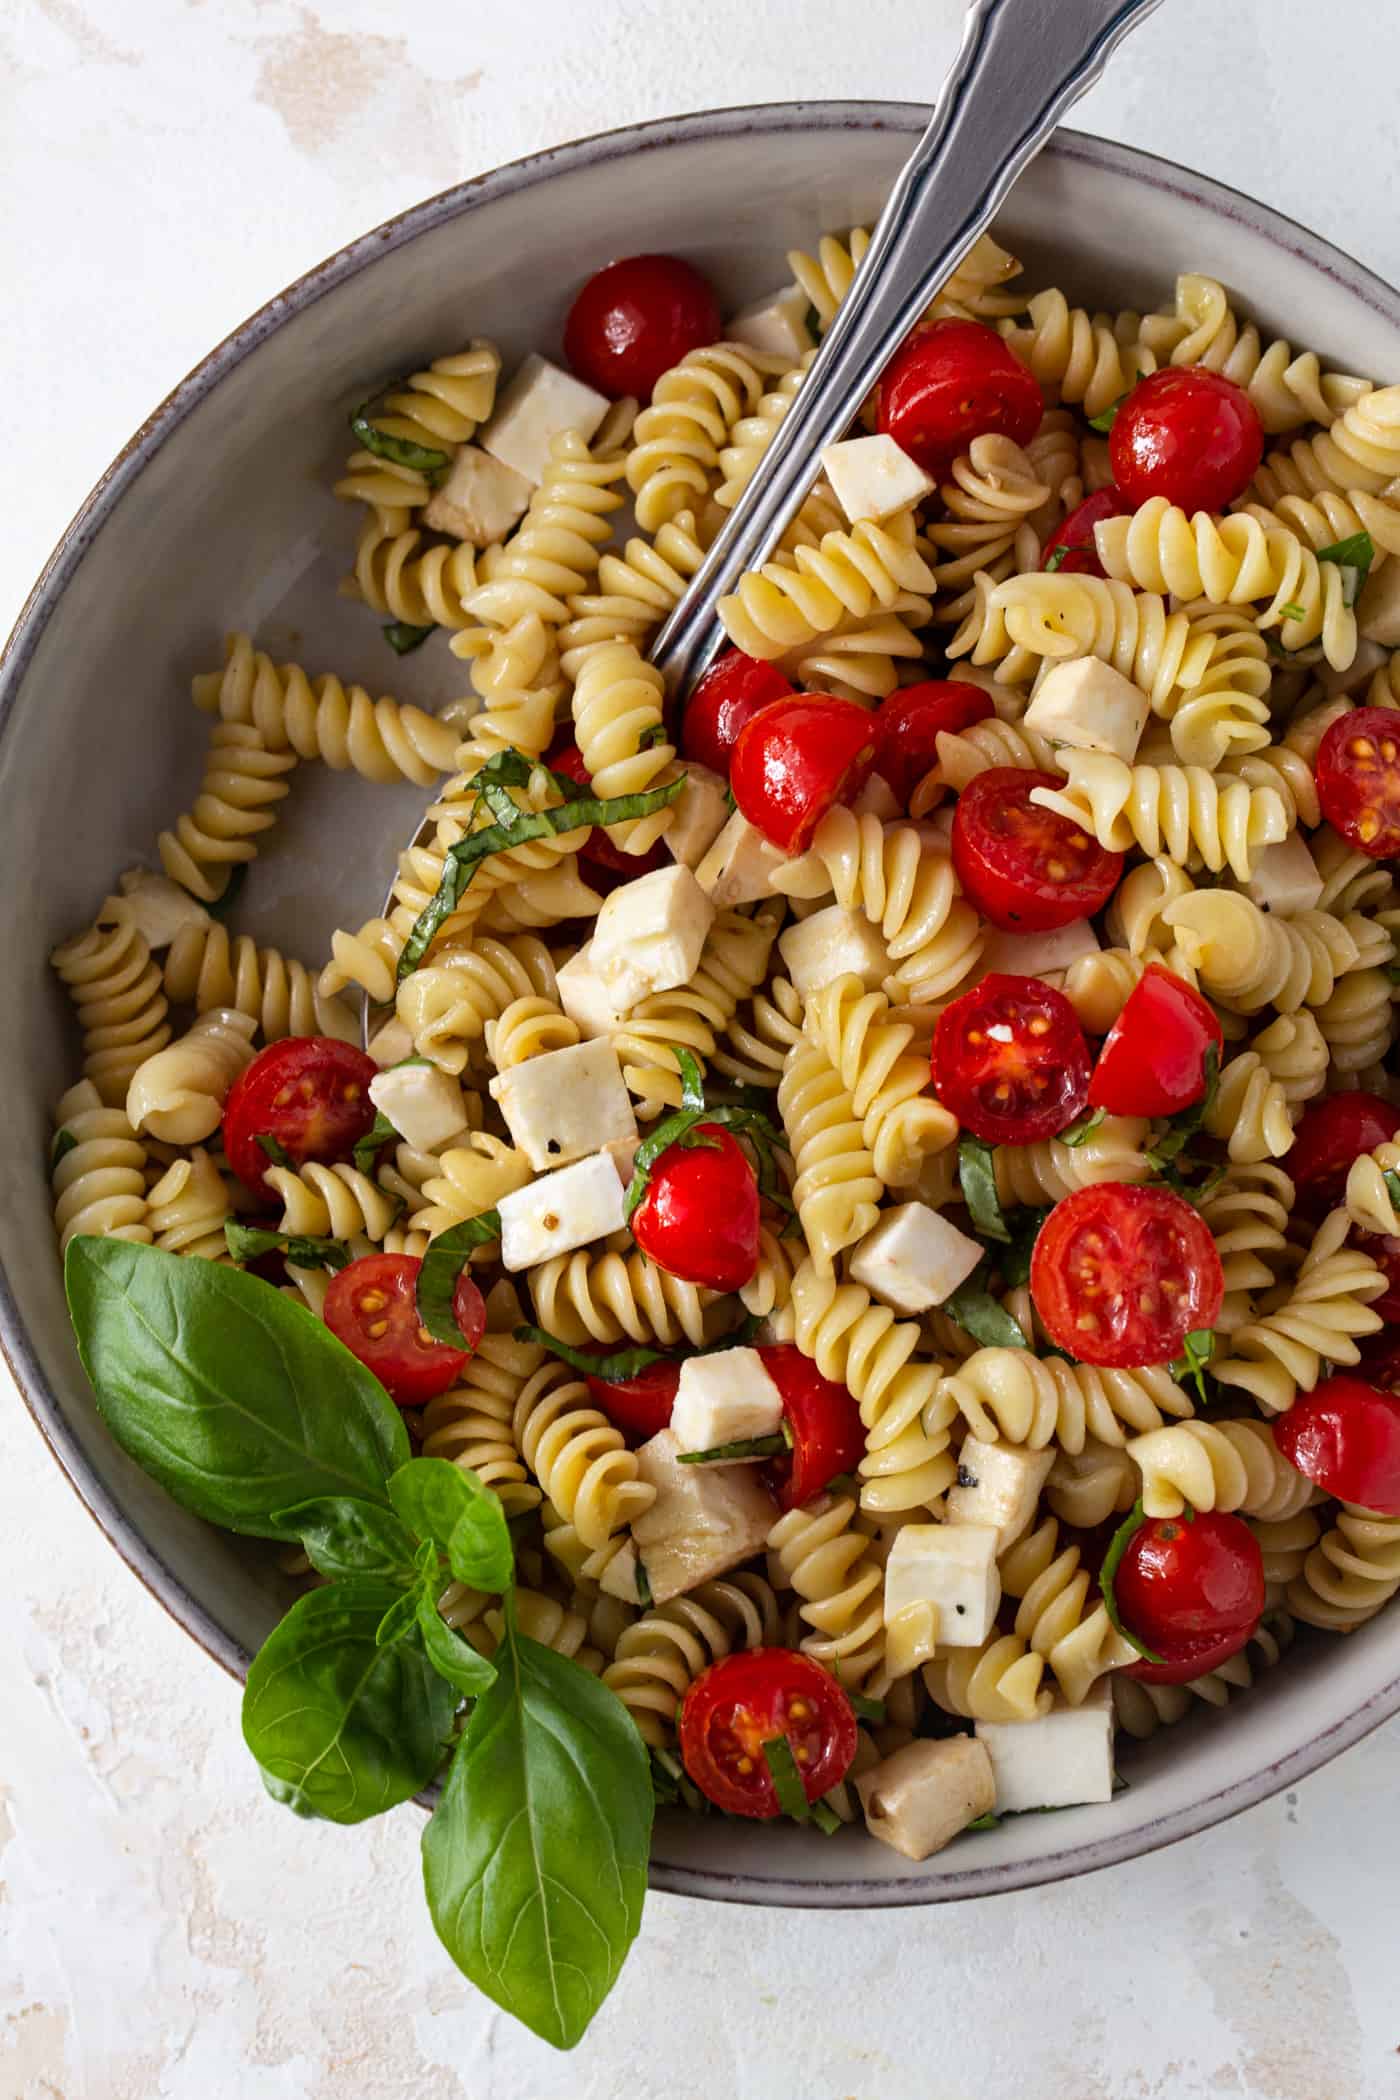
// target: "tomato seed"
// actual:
[[376, 1328]]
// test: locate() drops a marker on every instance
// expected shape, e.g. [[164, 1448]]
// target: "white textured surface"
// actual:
[[165, 1933]]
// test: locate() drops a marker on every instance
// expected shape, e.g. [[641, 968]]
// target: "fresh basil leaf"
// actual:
[[1122, 1539], [742, 1447], [987, 1822], [403, 638], [977, 1174], [1355, 553], [443, 1263], [381, 1132], [399, 1620], [1181, 1128], [1106, 417], [1058, 555], [240, 1403], [274, 1148], [343, 1535], [453, 1658], [535, 1862], [872, 1710], [228, 896], [787, 1780], [1082, 1127], [692, 1079], [1015, 1264], [251, 1242], [977, 1311], [64, 1142], [1392, 1185], [401, 452], [447, 1504], [1191, 1364]]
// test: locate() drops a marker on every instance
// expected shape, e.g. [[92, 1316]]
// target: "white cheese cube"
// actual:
[[952, 1566], [565, 1104], [1360, 671], [723, 1398], [392, 1044], [1037, 954], [919, 1798], [699, 813], [777, 324], [1091, 707], [1285, 877], [873, 477], [834, 943], [914, 1258], [559, 1212], [584, 996], [649, 935], [877, 799], [1058, 1761], [704, 1521], [619, 1578], [424, 1105], [998, 1485], [480, 500], [1378, 607], [538, 406], [737, 867], [159, 907]]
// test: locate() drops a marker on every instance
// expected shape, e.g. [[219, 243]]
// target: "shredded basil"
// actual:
[[1191, 1364], [1183, 1127], [1122, 1539], [1015, 1264], [680, 1129], [1292, 611], [977, 1174], [630, 1363], [742, 1447], [977, 1311], [1356, 554], [381, 1132], [825, 1817], [644, 1596], [64, 1142], [403, 638], [1057, 557], [1083, 1127], [1106, 418], [275, 1149], [649, 738], [1392, 1185], [250, 1242], [400, 452], [872, 1710], [441, 1266], [787, 1780], [988, 1822]]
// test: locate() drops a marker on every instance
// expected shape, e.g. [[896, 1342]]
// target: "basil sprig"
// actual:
[[440, 1268], [630, 1363], [400, 452], [977, 1175], [1122, 1539], [250, 1242], [680, 1129], [403, 638], [366, 1150]]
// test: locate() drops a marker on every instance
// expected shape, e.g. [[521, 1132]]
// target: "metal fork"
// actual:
[[1021, 66]]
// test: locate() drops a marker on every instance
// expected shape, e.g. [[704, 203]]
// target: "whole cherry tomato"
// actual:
[[1070, 549], [699, 1217], [1190, 435], [828, 1436], [909, 724], [1345, 1436], [1331, 1134], [1184, 1661], [951, 381], [730, 694], [1121, 1275], [636, 318], [1027, 869], [1153, 1061], [372, 1306], [794, 760], [1384, 1250], [1190, 1588], [744, 1701], [1358, 780], [640, 1406], [308, 1095], [598, 849], [1010, 1060]]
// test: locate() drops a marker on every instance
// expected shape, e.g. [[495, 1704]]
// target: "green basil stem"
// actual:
[[1122, 1539], [787, 1780], [440, 1268], [742, 1447]]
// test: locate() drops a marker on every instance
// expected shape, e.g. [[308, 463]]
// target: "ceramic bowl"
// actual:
[[219, 514]]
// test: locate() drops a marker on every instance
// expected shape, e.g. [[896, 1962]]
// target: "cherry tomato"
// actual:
[[1190, 435], [1070, 550], [309, 1094], [1358, 780], [1027, 869], [797, 758], [598, 849], [639, 1406], [1331, 1134], [1010, 1060], [909, 724], [1345, 1436], [743, 1701], [1380, 1362], [1120, 1276], [828, 1436], [1185, 1583], [1153, 1061], [1184, 1661], [1384, 1250], [699, 1217], [730, 694], [372, 1307], [636, 318], [951, 381]]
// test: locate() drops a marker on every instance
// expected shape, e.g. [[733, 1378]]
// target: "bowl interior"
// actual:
[[219, 515]]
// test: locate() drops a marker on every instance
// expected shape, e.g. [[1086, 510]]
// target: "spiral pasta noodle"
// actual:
[[1009, 1395], [1369, 1203], [621, 733], [398, 574], [336, 1202], [556, 549], [1279, 1352], [188, 1208], [1286, 390], [177, 1095], [636, 591], [1218, 1465], [660, 1655], [1184, 810], [1250, 959], [472, 1423], [589, 1297], [99, 1178], [1002, 1680], [733, 961], [449, 1003], [206, 966], [470, 1177], [1142, 1709], [1046, 1170], [837, 1191], [1356, 458], [901, 1122], [1054, 1615], [115, 987], [1064, 347], [793, 601], [577, 1456], [817, 1552], [677, 441], [1350, 1573], [242, 785]]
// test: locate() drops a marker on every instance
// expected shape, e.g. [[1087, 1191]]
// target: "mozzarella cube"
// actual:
[[1058, 1761], [914, 1258], [834, 943], [777, 324], [723, 1398], [649, 935], [538, 406], [920, 1798], [480, 500], [704, 1521], [999, 1486], [159, 907], [1038, 954], [1091, 707], [737, 868], [619, 1578], [1378, 607], [566, 1103], [877, 799], [584, 996], [559, 1212], [699, 813], [952, 1566], [424, 1105], [873, 477], [392, 1043], [1285, 877]]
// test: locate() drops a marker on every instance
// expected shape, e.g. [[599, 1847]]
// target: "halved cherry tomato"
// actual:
[[1185, 1584], [743, 1701], [1358, 780], [1027, 869], [640, 1406], [828, 1436], [372, 1307], [1188, 434], [909, 724], [1384, 1250], [1120, 1275], [598, 849], [309, 1094], [797, 758], [636, 318], [1070, 549], [730, 694], [951, 381], [1153, 1061], [1345, 1436], [699, 1217], [1331, 1134], [1010, 1060]]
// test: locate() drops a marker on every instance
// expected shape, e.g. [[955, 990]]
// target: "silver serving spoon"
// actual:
[[1021, 66]]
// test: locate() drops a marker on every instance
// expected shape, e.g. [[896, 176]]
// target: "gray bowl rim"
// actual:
[[1114, 162]]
